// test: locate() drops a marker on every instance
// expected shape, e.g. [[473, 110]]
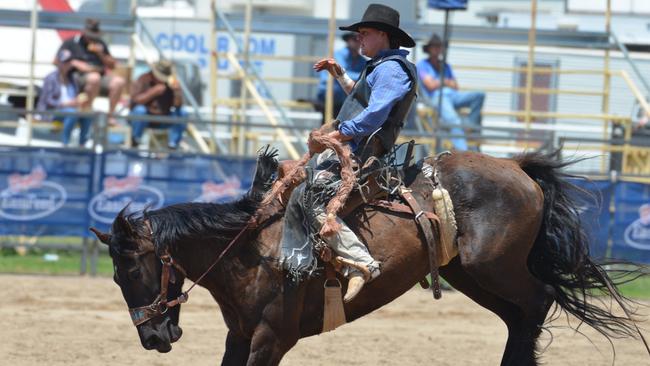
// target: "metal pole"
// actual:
[[532, 33], [329, 94], [243, 104], [30, 88], [214, 65], [441, 66], [606, 81]]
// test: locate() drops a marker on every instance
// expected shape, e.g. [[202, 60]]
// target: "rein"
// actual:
[[160, 305]]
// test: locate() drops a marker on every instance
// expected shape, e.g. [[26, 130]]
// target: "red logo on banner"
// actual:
[[113, 185], [20, 183]]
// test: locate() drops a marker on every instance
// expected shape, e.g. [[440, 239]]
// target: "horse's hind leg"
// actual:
[[508, 312], [497, 260]]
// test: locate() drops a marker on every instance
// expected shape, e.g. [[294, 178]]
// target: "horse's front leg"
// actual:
[[279, 328], [268, 347], [237, 350]]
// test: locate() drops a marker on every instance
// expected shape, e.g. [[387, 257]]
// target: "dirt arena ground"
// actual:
[[83, 321]]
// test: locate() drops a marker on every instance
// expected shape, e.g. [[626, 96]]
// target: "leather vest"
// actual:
[[357, 101]]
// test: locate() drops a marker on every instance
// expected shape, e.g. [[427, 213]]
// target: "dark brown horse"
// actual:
[[521, 249]]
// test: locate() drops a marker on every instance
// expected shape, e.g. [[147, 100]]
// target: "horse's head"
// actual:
[[140, 272]]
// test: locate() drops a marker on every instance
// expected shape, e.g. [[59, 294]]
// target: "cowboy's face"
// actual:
[[372, 41]]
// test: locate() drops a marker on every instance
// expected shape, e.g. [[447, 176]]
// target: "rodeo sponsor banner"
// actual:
[[594, 213], [145, 181], [44, 191], [631, 233]]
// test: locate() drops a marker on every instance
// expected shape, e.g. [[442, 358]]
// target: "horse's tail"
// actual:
[[560, 256]]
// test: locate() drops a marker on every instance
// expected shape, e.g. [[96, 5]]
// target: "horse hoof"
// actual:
[[354, 286]]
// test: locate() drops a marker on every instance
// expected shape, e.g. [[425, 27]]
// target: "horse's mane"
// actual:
[[200, 220], [213, 221]]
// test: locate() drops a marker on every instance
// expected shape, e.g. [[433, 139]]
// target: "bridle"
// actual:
[[160, 305]]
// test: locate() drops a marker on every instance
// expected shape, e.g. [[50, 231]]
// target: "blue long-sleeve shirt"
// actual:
[[389, 83]]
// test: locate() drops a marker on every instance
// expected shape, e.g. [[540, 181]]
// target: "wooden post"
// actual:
[[532, 33], [214, 75], [606, 82], [243, 96], [329, 95], [30, 88]]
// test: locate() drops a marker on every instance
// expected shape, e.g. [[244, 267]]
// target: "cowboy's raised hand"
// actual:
[[330, 65]]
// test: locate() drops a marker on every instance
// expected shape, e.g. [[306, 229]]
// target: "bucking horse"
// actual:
[[521, 250]]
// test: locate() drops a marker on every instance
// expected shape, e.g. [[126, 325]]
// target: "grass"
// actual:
[[34, 262], [637, 289], [69, 263]]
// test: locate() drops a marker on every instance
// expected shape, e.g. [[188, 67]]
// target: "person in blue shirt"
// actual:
[[351, 60], [61, 93], [452, 98], [369, 121]]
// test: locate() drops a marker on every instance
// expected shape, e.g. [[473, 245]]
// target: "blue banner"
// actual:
[[60, 192], [144, 181], [594, 213], [45, 191], [448, 4], [631, 226], [64, 192]]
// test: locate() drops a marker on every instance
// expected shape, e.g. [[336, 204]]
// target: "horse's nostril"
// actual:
[[151, 342]]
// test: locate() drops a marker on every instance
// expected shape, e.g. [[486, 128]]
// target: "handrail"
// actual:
[[271, 118], [621, 46], [252, 70], [637, 93]]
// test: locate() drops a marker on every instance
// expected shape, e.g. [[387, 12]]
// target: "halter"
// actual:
[[160, 305]]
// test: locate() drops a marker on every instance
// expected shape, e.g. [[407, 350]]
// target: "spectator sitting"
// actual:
[[93, 64], [61, 93], [352, 62], [452, 98], [158, 93]]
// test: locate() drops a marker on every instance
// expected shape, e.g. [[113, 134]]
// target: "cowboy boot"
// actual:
[[356, 282]]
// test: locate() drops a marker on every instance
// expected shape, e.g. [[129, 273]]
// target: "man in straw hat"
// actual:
[[93, 64], [452, 98], [369, 121], [158, 93]]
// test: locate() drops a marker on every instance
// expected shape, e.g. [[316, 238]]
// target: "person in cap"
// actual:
[[369, 122], [452, 98], [158, 93], [351, 60], [61, 93], [93, 65]]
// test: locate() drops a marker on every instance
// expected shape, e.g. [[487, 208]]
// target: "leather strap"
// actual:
[[402, 208], [428, 228]]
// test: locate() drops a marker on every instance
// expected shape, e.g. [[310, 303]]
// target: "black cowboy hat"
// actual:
[[434, 41], [385, 19]]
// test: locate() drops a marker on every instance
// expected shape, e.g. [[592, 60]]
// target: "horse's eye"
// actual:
[[134, 274]]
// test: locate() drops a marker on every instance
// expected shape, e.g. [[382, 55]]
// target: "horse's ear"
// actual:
[[103, 237], [122, 224]]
